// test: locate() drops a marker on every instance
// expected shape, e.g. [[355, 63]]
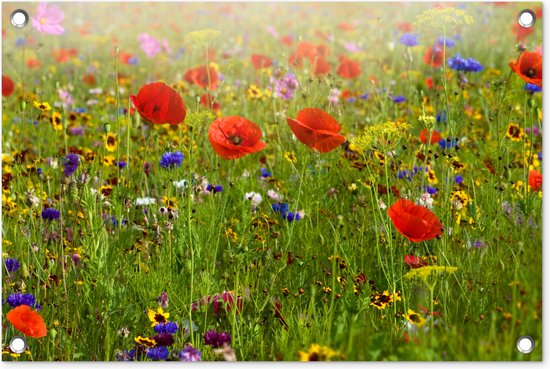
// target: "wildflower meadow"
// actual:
[[271, 181]]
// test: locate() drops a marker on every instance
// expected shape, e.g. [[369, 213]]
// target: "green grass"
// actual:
[[218, 243]]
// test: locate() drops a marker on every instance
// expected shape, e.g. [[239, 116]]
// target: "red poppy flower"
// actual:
[[7, 86], [202, 77], [296, 61], [233, 137], [535, 180], [260, 61], [414, 221], [27, 321], [316, 129], [415, 261], [521, 32], [158, 103], [435, 137], [206, 101], [306, 49], [405, 27], [345, 26], [433, 56], [64, 55], [33, 63], [529, 67], [321, 66], [125, 57], [348, 68], [89, 79], [287, 40]]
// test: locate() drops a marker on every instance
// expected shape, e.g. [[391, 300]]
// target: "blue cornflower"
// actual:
[[417, 169], [71, 164], [171, 160], [18, 299], [290, 216], [540, 155], [464, 65], [431, 190], [50, 214], [80, 110], [529, 87], [133, 61], [169, 327], [189, 353], [409, 39], [265, 173], [20, 41], [212, 188], [459, 179], [281, 208], [448, 143], [351, 99], [449, 42], [365, 95], [11, 265], [157, 353], [399, 99], [121, 164]]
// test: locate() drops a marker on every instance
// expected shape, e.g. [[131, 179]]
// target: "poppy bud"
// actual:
[[23, 104], [107, 127], [531, 103]]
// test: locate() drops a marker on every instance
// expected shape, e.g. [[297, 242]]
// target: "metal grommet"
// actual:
[[525, 344], [526, 18], [18, 345], [19, 18]]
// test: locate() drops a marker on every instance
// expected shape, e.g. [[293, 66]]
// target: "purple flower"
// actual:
[[459, 179], [215, 339], [449, 42], [70, 164], [171, 160], [11, 265], [409, 39], [164, 339], [77, 131], [189, 353], [150, 45], [121, 164], [126, 355], [157, 353], [48, 19], [285, 86], [50, 214]]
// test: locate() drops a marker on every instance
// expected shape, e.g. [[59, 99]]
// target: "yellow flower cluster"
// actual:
[[426, 272], [384, 135], [203, 36], [442, 18], [317, 353]]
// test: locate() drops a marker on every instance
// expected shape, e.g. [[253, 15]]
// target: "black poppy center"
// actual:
[[235, 140], [530, 72]]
